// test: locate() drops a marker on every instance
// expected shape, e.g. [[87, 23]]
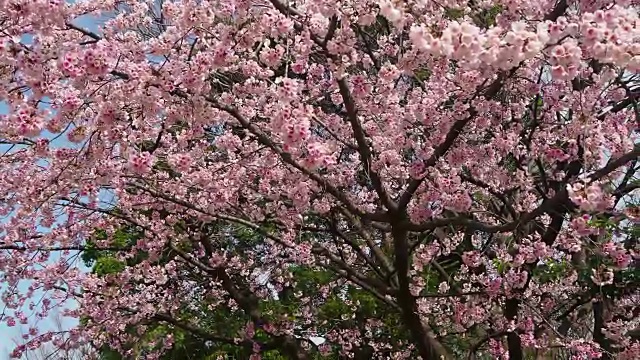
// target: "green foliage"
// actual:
[[454, 14], [483, 18], [105, 265], [108, 354], [603, 222], [551, 270], [510, 163], [227, 323], [422, 74], [488, 17], [501, 266], [121, 238]]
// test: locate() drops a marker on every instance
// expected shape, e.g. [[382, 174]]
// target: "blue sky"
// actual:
[[9, 336]]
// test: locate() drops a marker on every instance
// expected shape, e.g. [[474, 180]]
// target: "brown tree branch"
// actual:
[[363, 146], [425, 340], [288, 159]]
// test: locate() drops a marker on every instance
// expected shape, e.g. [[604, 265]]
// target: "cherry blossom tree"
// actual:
[[50, 352], [451, 179]]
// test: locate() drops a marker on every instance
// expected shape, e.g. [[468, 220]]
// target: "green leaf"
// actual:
[[108, 265]]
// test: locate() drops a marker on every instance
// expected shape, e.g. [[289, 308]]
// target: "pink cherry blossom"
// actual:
[[444, 173]]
